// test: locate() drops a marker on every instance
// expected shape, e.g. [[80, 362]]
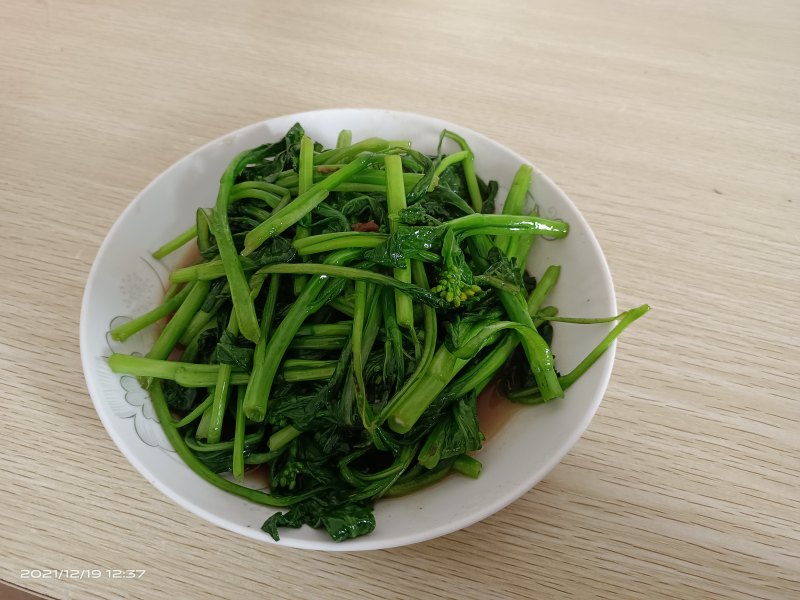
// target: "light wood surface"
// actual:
[[673, 124]]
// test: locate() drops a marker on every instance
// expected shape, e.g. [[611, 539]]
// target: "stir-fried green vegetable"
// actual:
[[349, 306]]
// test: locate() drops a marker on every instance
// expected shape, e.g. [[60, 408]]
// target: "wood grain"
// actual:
[[673, 124]]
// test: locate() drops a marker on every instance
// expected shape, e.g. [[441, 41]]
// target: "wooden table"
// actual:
[[674, 126]]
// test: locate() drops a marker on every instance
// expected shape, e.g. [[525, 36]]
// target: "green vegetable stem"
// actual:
[[347, 308]]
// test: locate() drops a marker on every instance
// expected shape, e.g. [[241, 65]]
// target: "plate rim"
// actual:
[[366, 542]]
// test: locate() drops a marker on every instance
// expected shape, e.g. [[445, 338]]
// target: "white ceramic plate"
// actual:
[[125, 281]]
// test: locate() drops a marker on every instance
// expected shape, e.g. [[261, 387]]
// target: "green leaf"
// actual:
[[348, 521], [229, 353], [342, 522], [504, 269], [407, 243], [458, 432], [178, 397], [274, 250], [279, 156]]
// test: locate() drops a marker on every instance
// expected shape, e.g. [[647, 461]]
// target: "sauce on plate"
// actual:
[[494, 410]]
